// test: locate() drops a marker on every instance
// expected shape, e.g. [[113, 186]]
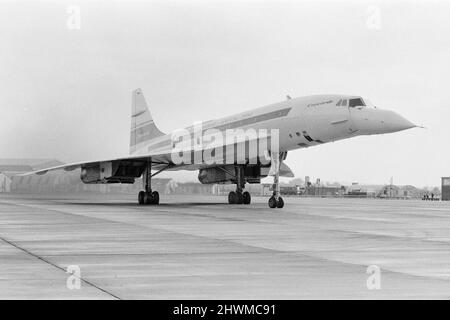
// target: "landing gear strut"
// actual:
[[276, 201], [148, 196], [239, 196]]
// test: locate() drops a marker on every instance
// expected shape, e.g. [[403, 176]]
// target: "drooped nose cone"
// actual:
[[377, 121]]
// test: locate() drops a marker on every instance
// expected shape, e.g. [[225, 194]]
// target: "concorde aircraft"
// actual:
[[295, 123]]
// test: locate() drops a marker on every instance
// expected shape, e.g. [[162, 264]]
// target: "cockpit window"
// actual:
[[344, 103], [339, 102], [358, 102]]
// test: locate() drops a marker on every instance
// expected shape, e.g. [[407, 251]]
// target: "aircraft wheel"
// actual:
[[232, 197], [141, 197], [246, 198], [148, 199], [280, 202], [239, 198], [272, 202], [155, 196]]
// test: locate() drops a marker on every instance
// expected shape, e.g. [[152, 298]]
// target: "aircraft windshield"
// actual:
[[357, 102]]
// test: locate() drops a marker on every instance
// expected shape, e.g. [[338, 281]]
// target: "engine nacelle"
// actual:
[[111, 172], [226, 175], [90, 174], [216, 175]]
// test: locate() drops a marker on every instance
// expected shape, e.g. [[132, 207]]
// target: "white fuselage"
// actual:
[[302, 122]]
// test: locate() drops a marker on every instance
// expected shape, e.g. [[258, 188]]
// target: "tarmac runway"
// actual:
[[198, 247]]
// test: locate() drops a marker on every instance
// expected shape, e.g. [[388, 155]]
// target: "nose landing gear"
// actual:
[[243, 197], [276, 201]]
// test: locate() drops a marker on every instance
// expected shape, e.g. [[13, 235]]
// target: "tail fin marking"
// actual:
[[143, 128]]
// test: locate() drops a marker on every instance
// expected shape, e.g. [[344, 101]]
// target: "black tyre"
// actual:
[[148, 199], [239, 198], [247, 198], [232, 197], [272, 202], [155, 196], [141, 196], [280, 202]]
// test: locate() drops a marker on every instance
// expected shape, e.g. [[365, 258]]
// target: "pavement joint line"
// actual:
[[58, 267]]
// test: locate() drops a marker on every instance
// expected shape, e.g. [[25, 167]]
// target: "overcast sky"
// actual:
[[65, 93]]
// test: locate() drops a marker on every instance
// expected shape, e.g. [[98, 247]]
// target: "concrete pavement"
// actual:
[[198, 247]]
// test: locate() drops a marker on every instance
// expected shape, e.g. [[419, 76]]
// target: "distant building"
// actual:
[[10, 167], [389, 191], [263, 189], [70, 182], [409, 191], [355, 189], [25, 165], [5, 183], [402, 192], [15, 168], [194, 188], [307, 181], [445, 189], [322, 191]]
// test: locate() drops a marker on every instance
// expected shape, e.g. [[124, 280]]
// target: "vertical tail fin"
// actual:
[[143, 129]]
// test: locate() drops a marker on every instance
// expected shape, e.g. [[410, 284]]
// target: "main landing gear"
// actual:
[[236, 197], [148, 196], [276, 201], [239, 196], [243, 197]]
